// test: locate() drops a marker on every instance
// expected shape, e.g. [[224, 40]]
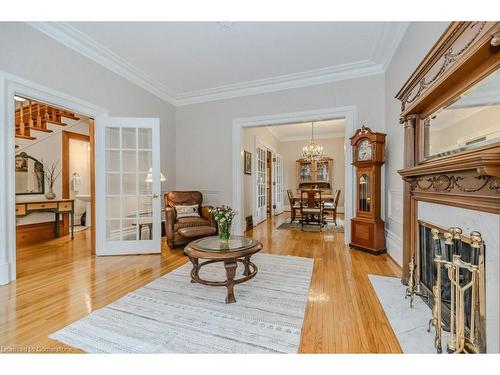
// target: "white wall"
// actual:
[[204, 130], [32, 55], [417, 41]]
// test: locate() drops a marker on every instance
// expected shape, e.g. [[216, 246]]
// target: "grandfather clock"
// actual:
[[367, 228]]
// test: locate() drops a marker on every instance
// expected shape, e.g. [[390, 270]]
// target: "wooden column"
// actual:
[[408, 208]]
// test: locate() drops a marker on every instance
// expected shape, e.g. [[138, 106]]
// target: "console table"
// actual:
[[62, 206]]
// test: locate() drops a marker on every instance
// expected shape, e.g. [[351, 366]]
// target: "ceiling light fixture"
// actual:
[[313, 151]]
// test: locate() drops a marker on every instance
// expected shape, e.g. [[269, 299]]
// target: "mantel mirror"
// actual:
[[29, 175], [471, 120]]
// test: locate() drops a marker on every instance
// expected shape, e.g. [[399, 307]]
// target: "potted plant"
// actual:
[[224, 216], [51, 173]]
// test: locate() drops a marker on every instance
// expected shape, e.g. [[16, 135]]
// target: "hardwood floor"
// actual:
[[60, 282]]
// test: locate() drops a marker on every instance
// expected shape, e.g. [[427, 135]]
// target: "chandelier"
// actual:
[[313, 151]]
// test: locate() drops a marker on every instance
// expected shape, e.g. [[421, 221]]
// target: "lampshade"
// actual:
[[149, 177]]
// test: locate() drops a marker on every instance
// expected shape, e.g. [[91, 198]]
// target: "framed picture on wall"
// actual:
[[247, 162]]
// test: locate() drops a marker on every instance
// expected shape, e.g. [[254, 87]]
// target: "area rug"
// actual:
[[409, 324], [173, 315], [328, 227]]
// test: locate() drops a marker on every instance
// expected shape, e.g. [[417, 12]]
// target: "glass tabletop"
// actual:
[[235, 243]]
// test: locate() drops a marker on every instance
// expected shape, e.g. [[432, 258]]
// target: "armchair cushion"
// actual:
[[197, 231], [187, 210], [185, 222]]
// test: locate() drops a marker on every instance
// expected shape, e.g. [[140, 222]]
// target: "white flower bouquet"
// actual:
[[224, 216]]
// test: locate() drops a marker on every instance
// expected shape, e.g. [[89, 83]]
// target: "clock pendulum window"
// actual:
[[367, 228]]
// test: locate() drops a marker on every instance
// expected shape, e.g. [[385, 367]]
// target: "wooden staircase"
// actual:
[[32, 119]]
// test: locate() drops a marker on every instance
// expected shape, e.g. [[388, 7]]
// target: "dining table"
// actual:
[[324, 198]]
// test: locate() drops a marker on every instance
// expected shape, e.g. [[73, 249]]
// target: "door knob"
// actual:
[[156, 195]]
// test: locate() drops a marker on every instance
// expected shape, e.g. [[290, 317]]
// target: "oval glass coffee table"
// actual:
[[230, 252]]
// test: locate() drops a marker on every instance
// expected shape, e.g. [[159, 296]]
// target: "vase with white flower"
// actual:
[[224, 216]]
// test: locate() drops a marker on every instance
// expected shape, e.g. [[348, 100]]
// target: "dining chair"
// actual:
[[332, 206], [311, 211], [294, 206]]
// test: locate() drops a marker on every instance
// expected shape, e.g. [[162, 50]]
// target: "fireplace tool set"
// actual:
[[460, 289]]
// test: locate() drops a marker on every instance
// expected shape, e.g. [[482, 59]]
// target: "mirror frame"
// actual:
[[37, 162]]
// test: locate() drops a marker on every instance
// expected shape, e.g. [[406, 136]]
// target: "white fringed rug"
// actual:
[[173, 315]]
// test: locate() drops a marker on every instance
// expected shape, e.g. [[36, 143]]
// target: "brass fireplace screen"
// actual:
[[451, 280]]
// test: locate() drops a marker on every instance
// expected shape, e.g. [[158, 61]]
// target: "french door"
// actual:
[[128, 206], [260, 183], [278, 184]]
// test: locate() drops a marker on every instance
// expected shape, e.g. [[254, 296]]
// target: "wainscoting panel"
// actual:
[[395, 205], [394, 246]]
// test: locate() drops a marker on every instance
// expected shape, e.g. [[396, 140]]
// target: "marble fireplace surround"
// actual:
[[488, 225]]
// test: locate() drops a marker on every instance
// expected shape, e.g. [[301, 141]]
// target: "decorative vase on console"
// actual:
[[224, 216], [51, 173]]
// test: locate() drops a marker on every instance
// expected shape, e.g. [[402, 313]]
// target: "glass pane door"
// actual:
[[261, 184], [279, 184], [130, 214]]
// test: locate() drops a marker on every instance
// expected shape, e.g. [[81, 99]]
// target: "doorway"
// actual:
[[240, 125], [54, 158], [78, 177]]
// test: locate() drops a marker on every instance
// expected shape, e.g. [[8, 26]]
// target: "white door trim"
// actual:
[[11, 85], [257, 215], [138, 246], [239, 124], [278, 188], [267, 147]]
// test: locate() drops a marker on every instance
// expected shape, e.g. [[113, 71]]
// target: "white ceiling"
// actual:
[[188, 62], [322, 129]]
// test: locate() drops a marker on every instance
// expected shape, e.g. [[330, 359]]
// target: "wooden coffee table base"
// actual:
[[230, 265]]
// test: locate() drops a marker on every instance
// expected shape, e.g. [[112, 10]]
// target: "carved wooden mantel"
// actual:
[[466, 53]]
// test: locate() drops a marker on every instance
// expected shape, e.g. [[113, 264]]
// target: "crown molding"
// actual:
[[88, 47], [284, 82], [388, 43], [381, 55]]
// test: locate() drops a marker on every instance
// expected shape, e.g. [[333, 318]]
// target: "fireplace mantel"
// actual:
[[464, 55], [469, 180]]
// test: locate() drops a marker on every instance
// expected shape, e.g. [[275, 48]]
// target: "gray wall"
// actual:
[[417, 41], [32, 55]]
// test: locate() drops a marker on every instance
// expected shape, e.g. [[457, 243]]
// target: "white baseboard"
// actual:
[[394, 245], [4, 273]]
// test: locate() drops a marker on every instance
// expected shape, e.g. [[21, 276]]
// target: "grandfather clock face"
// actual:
[[364, 150]]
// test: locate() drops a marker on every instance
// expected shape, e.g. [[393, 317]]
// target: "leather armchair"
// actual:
[[185, 229]]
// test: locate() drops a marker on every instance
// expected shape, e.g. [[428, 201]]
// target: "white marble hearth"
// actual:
[[489, 226], [409, 324]]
